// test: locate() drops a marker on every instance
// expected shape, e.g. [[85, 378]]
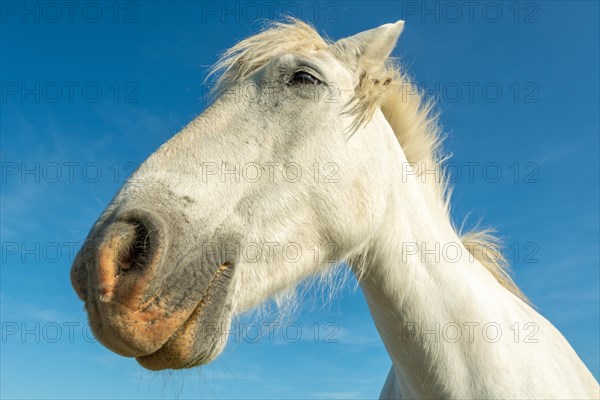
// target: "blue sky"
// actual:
[[90, 92]]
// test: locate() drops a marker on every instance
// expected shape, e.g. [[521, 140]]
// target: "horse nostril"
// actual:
[[136, 252], [129, 250]]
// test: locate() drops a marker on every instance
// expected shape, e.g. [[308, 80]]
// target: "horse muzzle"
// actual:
[[146, 296]]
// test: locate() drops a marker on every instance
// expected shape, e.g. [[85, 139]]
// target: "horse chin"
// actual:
[[202, 337], [197, 342], [167, 359]]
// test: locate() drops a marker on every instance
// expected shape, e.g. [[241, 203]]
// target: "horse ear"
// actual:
[[374, 45]]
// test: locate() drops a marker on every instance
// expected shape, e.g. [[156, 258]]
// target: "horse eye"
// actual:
[[304, 78]]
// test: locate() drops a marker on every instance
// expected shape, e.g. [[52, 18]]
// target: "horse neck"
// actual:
[[420, 282]]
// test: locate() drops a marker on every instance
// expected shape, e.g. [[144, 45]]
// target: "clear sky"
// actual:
[[89, 91]]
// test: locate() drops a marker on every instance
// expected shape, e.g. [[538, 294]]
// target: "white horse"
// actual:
[[322, 151]]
